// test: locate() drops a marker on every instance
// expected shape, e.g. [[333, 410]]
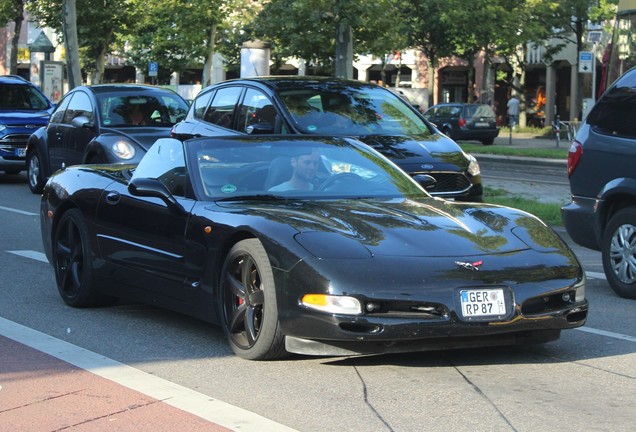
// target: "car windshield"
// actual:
[[157, 109], [344, 110], [22, 98], [293, 168]]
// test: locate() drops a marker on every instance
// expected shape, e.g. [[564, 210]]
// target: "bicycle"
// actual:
[[564, 126]]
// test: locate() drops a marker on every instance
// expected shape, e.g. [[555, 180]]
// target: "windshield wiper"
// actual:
[[257, 197]]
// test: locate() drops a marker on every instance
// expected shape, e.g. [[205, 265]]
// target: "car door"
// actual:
[[144, 237], [219, 117], [72, 140]]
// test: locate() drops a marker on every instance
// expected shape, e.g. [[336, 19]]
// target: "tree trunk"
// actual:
[[18, 20], [206, 78], [71, 44], [344, 51], [100, 66]]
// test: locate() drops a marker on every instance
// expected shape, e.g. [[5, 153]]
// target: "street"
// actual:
[[584, 381]]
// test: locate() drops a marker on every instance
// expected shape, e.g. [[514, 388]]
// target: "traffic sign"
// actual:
[[585, 62], [153, 67]]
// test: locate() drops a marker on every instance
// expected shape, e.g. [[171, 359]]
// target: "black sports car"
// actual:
[[308, 245], [336, 107]]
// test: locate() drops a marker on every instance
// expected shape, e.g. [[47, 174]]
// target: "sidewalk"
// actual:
[[47, 384]]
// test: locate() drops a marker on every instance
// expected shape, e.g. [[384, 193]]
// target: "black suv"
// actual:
[[23, 109], [465, 121], [602, 171]]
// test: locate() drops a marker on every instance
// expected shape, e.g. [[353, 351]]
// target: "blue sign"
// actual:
[[585, 56], [153, 67]]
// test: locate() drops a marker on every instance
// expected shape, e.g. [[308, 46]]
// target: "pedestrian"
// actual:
[[513, 111]]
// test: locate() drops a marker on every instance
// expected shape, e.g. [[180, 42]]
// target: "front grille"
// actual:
[[406, 309], [13, 141], [448, 183]]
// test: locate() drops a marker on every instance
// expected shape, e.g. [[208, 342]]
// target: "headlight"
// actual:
[[123, 150], [473, 166], [332, 304], [3, 127]]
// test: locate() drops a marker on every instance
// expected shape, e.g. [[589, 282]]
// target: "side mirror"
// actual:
[[425, 180], [82, 122], [153, 188]]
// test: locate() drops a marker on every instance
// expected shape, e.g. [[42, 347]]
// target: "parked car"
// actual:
[[356, 259], [465, 121], [23, 109], [330, 106], [105, 123], [601, 168]]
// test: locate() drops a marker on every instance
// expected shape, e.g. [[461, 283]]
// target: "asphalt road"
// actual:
[[584, 381]]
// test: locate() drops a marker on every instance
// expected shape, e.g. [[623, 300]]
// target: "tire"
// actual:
[[619, 252], [72, 263], [12, 171], [35, 174], [247, 298], [488, 141]]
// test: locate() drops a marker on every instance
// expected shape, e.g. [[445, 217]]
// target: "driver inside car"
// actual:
[[304, 169]]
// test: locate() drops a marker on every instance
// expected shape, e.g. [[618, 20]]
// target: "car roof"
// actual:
[[14, 79], [291, 81], [125, 88]]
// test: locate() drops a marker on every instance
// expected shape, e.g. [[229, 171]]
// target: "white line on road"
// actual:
[[180, 397], [18, 211], [595, 275], [38, 256], [607, 334]]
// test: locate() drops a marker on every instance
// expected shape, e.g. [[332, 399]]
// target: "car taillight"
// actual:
[[574, 156], [461, 122]]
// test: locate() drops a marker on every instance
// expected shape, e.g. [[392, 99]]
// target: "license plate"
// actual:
[[20, 152], [481, 124], [483, 302]]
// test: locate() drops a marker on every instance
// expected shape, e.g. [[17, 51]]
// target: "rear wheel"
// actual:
[[248, 304], [488, 141], [619, 252], [73, 265], [35, 172]]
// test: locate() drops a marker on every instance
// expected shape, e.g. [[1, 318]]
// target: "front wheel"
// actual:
[[247, 297], [619, 252], [35, 172], [73, 265]]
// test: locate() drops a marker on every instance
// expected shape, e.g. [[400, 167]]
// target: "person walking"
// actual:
[[513, 111]]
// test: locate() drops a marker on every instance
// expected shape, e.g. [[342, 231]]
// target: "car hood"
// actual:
[[413, 151], [409, 228], [39, 118], [145, 136]]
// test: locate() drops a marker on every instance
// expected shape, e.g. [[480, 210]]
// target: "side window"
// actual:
[[256, 109], [201, 103], [165, 161], [58, 114], [615, 111], [80, 105], [221, 110]]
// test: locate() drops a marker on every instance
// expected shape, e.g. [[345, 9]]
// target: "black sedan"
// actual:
[[335, 107], [309, 245], [465, 121], [105, 123]]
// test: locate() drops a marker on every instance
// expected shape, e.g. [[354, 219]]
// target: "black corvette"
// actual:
[[308, 245]]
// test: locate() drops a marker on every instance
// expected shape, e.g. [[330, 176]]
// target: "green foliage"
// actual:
[[550, 213]]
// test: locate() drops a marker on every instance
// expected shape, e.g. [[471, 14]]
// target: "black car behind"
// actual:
[[106, 123], [335, 107]]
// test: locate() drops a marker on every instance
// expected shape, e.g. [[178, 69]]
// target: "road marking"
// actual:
[[180, 397], [18, 211], [607, 334], [595, 275], [38, 256]]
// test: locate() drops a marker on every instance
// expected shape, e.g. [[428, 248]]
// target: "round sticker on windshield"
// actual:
[[106, 121], [228, 188], [311, 128]]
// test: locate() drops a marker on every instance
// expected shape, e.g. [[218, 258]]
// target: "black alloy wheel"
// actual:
[[72, 261], [248, 303], [619, 252]]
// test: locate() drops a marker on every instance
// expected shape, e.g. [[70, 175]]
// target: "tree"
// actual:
[[12, 10], [98, 21], [71, 44], [308, 29]]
